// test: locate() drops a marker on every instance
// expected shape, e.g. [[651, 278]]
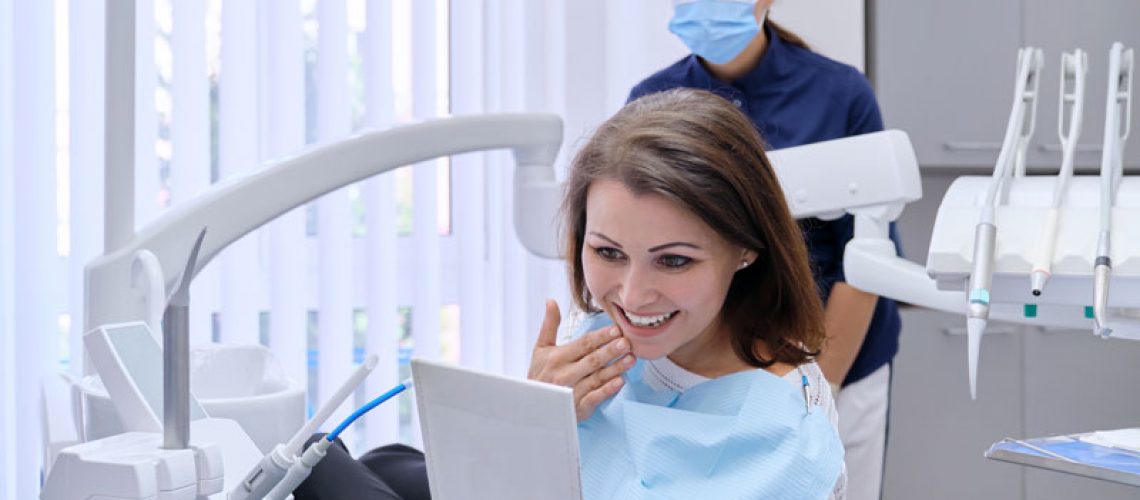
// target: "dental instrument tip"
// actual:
[[975, 327], [1037, 282], [1100, 296]]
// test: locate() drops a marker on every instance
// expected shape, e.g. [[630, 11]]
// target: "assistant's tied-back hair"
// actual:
[[695, 149]]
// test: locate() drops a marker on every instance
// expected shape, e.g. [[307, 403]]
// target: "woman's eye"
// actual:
[[674, 261], [608, 253]]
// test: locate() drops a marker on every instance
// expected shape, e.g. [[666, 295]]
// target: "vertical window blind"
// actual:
[[421, 261]]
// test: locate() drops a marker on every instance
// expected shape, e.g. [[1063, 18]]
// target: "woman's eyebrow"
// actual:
[[607, 238], [674, 244]]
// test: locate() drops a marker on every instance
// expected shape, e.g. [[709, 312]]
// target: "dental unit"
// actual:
[[290, 183], [126, 288], [1048, 230]]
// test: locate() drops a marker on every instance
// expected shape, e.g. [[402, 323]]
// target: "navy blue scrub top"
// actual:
[[796, 96]]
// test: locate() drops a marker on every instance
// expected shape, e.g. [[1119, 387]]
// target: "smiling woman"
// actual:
[[662, 276], [705, 384], [681, 178]]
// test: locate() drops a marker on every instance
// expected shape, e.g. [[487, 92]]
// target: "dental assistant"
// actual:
[[795, 96]]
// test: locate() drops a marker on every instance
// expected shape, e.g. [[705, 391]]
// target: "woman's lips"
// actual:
[[643, 331]]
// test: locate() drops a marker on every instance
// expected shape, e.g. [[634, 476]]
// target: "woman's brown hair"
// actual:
[[695, 149], [787, 36]]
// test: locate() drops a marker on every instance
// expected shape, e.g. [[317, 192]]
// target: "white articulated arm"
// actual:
[[871, 264], [872, 177], [826, 179], [235, 207]]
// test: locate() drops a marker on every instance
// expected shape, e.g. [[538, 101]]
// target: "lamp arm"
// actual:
[[236, 207]]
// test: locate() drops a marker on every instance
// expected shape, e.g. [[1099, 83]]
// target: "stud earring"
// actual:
[[743, 264]]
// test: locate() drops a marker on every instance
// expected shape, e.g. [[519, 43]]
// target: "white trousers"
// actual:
[[862, 408]]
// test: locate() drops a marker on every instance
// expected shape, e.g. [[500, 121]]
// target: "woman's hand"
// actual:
[[586, 365]]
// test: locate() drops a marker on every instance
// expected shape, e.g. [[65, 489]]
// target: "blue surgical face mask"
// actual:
[[716, 30]]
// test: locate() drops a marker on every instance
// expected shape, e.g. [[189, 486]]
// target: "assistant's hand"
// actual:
[[583, 365]]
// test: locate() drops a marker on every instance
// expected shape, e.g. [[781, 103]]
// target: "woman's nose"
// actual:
[[639, 288]]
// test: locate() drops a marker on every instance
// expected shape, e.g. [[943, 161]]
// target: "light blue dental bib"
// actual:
[[745, 435]]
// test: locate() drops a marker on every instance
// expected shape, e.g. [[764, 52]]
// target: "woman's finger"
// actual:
[[596, 360], [590, 401], [587, 344], [548, 333], [599, 378]]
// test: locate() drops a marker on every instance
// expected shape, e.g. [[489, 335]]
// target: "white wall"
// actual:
[[834, 28], [635, 42]]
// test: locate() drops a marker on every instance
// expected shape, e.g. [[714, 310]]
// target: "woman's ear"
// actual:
[[747, 257]]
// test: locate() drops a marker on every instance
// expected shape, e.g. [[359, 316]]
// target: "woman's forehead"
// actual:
[[615, 211]]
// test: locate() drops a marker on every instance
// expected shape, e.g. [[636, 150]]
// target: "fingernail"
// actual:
[[620, 345], [614, 332]]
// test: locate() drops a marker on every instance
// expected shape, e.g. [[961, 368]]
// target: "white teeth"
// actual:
[[648, 321]]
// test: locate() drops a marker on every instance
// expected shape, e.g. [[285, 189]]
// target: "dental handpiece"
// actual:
[[293, 448], [299, 470], [287, 478], [1043, 263], [1074, 67], [978, 308], [1102, 269], [275, 465]]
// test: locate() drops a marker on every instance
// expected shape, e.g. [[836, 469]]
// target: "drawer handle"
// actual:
[[993, 330], [1081, 148], [971, 146]]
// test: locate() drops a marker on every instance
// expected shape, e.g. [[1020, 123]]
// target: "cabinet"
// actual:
[[937, 434], [1056, 26], [944, 71], [1076, 382], [1031, 383]]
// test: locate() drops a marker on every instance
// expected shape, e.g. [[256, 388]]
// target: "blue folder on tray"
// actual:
[[1071, 455]]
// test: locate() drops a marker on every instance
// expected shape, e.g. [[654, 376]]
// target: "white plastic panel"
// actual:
[[860, 171], [1019, 221]]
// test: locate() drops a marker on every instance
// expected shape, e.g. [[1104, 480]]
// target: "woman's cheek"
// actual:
[[598, 277]]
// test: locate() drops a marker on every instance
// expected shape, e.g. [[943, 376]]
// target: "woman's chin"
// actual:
[[647, 352]]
